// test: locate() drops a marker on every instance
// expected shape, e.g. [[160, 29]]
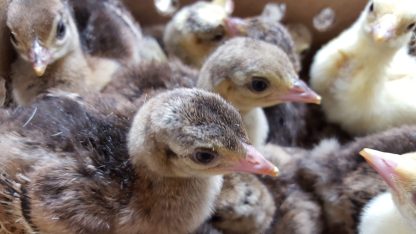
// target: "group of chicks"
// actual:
[[105, 129]]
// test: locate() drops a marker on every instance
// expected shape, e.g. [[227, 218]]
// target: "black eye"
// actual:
[[218, 37], [204, 156], [410, 26], [60, 30], [371, 8], [259, 84], [13, 38]]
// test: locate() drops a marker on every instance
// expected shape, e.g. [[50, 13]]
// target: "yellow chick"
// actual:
[[365, 77], [394, 211]]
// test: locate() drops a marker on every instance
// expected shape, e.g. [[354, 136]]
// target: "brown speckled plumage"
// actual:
[[75, 174], [107, 29], [343, 182], [286, 123], [244, 205], [274, 32], [83, 58], [297, 211], [148, 76]]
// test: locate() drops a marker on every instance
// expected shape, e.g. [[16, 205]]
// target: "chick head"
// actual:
[[190, 132], [390, 21], [41, 31], [399, 172], [250, 73], [198, 29]]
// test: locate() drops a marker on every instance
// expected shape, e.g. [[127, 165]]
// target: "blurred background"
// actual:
[[297, 11]]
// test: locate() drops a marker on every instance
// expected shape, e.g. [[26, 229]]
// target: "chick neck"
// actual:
[[75, 57], [404, 206], [162, 191], [257, 126], [370, 60]]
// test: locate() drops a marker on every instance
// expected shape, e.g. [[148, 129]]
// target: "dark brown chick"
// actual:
[[73, 169], [108, 29], [343, 182], [50, 47]]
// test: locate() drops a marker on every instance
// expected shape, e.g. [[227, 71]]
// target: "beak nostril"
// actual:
[[298, 87]]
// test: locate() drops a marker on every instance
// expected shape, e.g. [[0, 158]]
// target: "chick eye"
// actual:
[[204, 156], [218, 37], [371, 7], [60, 30], [13, 38], [259, 84], [410, 26]]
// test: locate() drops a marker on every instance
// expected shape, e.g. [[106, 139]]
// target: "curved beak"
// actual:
[[385, 28], [391, 167], [39, 57], [235, 26], [254, 162], [300, 92]]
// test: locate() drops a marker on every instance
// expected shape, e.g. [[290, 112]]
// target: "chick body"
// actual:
[[365, 83], [344, 182], [396, 206], [67, 45], [381, 216], [95, 178]]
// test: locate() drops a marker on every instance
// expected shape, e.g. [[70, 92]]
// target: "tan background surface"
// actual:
[[297, 11]]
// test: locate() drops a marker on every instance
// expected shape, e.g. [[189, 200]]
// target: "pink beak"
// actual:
[[384, 163], [255, 163], [235, 26], [300, 92], [385, 28], [39, 57]]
